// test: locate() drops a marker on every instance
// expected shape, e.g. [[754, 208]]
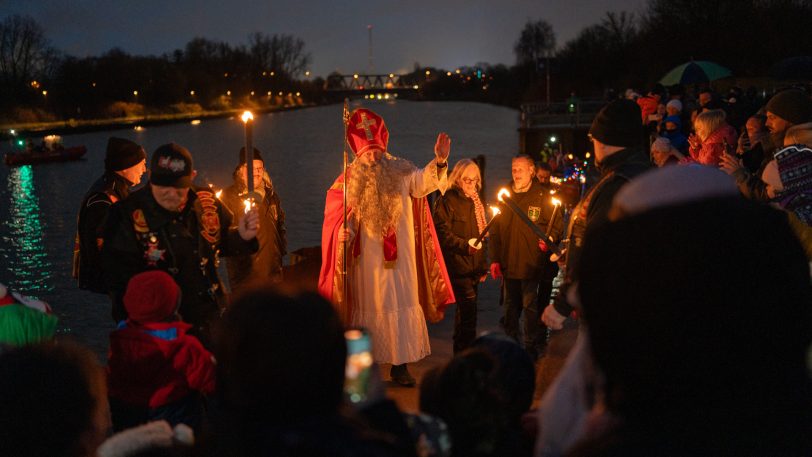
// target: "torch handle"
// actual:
[[535, 228], [249, 156], [484, 231]]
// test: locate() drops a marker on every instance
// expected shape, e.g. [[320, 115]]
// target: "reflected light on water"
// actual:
[[25, 258]]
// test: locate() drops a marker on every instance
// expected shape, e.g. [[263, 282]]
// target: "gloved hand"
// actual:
[[496, 270]]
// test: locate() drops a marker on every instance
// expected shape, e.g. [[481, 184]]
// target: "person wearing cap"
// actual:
[[265, 266], [172, 226], [616, 136], [396, 274], [124, 164], [785, 110], [155, 370]]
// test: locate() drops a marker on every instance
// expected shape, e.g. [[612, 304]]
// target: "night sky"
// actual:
[[439, 33]]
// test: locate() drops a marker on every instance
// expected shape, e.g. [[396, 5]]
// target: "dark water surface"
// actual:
[[301, 149]]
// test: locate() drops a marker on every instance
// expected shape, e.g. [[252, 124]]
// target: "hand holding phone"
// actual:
[[358, 371]]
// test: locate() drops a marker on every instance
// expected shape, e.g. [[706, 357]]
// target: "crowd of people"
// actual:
[[684, 265]]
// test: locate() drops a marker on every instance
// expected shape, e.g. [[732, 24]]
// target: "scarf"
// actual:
[[479, 212]]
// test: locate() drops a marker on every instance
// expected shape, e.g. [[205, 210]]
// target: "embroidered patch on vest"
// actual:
[[209, 219], [140, 222], [534, 212]]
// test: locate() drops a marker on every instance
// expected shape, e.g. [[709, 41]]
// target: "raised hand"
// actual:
[[442, 148]]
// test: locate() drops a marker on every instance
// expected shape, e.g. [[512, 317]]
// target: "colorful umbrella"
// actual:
[[700, 71]]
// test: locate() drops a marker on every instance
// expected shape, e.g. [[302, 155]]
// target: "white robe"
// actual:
[[387, 298]]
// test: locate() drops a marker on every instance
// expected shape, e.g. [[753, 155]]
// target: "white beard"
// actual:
[[374, 193]]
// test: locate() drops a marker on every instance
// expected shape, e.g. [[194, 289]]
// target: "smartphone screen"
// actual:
[[359, 364]]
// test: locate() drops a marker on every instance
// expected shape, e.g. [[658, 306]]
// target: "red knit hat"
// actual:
[[366, 130], [151, 296]]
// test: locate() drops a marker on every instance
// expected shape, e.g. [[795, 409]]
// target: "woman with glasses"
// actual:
[[459, 216]]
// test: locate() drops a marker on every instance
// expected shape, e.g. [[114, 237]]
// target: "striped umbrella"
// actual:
[[700, 71]]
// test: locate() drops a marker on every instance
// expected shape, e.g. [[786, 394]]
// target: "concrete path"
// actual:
[[488, 316]]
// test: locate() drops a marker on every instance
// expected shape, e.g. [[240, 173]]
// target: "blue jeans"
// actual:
[[521, 296]]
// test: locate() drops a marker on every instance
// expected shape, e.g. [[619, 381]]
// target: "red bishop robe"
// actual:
[[395, 283]]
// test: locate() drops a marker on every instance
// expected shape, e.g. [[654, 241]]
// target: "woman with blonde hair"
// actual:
[[712, 135], [459, 216]]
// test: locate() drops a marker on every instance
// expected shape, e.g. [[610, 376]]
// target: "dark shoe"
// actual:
[[400, 375]]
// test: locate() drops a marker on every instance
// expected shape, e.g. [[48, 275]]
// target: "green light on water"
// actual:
[[28, 262]]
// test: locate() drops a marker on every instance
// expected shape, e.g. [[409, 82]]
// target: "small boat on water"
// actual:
[[51, 150]]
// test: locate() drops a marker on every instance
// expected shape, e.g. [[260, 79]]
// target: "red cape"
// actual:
[[433, 282]]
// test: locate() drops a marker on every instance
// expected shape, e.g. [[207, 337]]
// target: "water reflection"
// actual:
[[25, 259]]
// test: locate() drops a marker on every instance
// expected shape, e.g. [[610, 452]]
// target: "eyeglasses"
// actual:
[[470, 180]]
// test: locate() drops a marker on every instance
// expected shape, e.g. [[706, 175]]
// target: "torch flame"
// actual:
[[218, 193], [495, 211], [247, 116], [247, 203], [502, 193], [556, 201]]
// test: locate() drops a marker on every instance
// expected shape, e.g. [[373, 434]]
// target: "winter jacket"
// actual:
[[107, 190], [266, 264], [141, 235], [710, 151], [455, 220], [155, 364], [616, 170], [514, 245]]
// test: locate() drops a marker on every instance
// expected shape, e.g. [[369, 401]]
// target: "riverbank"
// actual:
[[71, 126]]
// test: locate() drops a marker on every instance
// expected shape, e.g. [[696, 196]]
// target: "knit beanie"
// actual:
[[618, 124], [151, 296], [669, 186], [792, 105], [257, 155], [676, 104], [795, 168], [122, 154]]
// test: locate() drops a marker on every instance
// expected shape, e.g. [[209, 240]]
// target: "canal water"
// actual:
[[301, 149]]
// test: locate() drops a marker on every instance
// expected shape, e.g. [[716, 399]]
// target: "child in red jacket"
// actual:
[[155, 370]]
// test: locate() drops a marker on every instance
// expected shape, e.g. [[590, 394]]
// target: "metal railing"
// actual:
[[561, 114]]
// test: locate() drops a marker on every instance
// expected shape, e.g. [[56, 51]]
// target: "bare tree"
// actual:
[[535, 43], [280, 53], [25, 53]]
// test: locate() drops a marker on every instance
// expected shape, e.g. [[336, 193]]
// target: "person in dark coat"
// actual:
[[682, 382], [616, 136], [124, 164], [516, 254], [459, 217], [171, 226], [266, 264]]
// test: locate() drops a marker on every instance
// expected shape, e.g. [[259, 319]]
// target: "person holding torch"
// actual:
[[520, 257], [171, 225], [459, 216]]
